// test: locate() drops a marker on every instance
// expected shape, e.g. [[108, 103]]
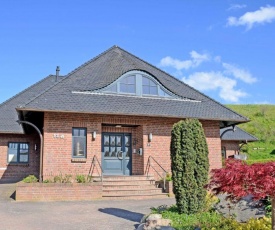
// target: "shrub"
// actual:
[[189, 165], [80, 179], [30, 179], [67, 178]]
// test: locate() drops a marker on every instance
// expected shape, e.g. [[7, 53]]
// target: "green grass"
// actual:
[[262, 126]]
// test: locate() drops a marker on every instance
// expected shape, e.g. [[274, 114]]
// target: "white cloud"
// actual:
[[239, 73], [236, 6], [215, 81], [261, 16], [196, 60]]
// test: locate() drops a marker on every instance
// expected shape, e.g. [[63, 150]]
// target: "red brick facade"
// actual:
[[18, 171], [231, 147], [57, 158]]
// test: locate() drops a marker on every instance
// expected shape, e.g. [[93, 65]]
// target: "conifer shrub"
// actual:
[[189, 165]]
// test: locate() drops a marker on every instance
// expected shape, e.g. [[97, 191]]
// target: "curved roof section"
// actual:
[[108, 67], [238, 135]]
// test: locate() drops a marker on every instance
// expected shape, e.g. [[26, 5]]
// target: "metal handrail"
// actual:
[[150, 165], [94, 161]]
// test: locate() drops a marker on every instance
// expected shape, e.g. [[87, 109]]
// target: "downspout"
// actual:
[[41, 145]]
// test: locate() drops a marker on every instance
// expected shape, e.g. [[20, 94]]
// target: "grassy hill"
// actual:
[[262, 126]]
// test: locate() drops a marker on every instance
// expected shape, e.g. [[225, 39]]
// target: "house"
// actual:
[[116, 109], [233, 139]]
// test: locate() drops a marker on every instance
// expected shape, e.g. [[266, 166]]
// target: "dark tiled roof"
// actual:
[[237, 135], [48, 95], [109, 66], [8, 114]]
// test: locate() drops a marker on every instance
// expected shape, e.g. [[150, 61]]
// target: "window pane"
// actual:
[[123, 88], [106, 140], [153, 90], [161, 92], [112, 140], [145, 81], [131, 88], [79, 146], [118, 141], [127, 153], [131, 80], [153, 83], [127, 141], [12, 152], [113, 151], [24, 157], [145, 89], [75, 132], [113, 88], [82, 132], [106, 152]]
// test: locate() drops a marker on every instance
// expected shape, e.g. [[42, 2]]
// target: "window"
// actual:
[[149, 87], [223, 152], [79, 142], [139, 84], [18, 152], [128, 84]]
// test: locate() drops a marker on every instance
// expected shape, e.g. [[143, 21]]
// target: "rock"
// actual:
[[154, 217], [154, 222], [164, 222], [144, 227]]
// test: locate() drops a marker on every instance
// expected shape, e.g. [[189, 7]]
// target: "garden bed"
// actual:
[[58, 191]]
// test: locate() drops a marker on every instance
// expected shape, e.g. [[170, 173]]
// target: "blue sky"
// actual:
[[225, 49]]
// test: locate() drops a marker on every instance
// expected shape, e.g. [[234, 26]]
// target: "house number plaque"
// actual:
[[56, 135]]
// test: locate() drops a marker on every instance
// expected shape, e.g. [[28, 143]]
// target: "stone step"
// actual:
[[127, 178], [136, 197], [123, 182], [124, 192], [128, 186]]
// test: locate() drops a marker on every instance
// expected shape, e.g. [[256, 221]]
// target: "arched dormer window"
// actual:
[[140, 84]]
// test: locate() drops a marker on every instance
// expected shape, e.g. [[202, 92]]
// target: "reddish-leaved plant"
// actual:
[[238, 179]]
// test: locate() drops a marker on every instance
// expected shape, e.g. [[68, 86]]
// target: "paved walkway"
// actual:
[[80, 215]]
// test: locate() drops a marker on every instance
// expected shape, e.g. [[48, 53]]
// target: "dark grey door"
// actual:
[[116, 153]]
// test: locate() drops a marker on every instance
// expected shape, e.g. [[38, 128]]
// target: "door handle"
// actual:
[[118, 153]]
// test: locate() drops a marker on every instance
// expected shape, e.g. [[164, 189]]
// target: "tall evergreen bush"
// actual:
[[189, 165]]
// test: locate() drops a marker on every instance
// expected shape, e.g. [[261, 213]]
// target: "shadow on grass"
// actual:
[[272, 152]]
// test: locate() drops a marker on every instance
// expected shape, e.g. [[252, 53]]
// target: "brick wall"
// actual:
[[232, 147], [16, 172], [58, 191], [58, 141]]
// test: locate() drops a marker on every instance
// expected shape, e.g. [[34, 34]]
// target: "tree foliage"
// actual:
[[189, 165], [239, 179]]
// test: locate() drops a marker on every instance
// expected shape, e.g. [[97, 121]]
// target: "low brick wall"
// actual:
[[58, 191]]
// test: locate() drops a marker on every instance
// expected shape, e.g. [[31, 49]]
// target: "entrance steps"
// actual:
[[131, 187]]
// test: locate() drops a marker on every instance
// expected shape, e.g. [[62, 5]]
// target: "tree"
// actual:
[[189, 165], [239, 179]]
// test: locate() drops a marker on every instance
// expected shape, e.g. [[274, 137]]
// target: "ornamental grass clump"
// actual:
[[189, 165]]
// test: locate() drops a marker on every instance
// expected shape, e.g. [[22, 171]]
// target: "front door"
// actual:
[[116, 153]]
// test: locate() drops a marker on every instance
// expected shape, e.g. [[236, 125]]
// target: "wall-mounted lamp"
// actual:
[[150, 137], [94, 135]]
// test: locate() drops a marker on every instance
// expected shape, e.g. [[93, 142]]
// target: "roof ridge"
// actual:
[[183, 83], [28, 88]]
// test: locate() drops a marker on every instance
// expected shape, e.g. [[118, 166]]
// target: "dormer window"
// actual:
[[128, 84], [149, 87], [140, 84]]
